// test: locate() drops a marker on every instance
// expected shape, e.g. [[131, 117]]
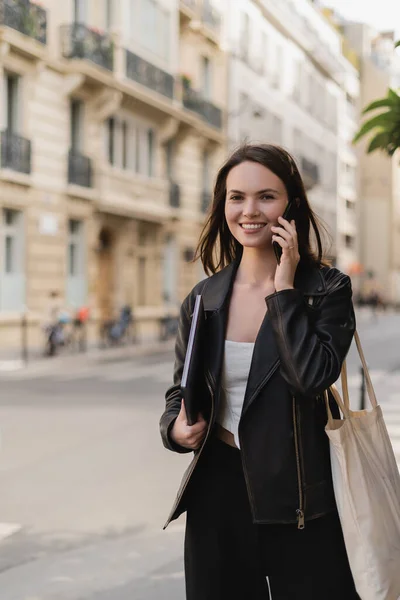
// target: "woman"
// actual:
[[258, 493]]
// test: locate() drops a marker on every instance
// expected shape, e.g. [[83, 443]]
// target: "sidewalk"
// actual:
[[94, 355]]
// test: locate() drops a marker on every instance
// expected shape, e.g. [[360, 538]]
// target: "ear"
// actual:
[[297, 200]]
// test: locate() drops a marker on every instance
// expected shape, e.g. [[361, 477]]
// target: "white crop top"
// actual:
[[237, 362]]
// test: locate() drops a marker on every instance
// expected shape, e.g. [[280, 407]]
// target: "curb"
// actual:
[[92, 356]]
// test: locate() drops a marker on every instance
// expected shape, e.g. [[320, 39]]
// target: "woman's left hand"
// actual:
[[286, 236]]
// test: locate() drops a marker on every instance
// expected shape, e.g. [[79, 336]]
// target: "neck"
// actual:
[[256, 267]]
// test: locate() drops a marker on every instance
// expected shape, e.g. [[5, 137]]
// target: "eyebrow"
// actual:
[[259, 192]]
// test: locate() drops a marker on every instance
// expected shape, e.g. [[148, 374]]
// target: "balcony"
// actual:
[[174, 195], [79, 41], [206, 198], [147, 74], [15, 152], [192, 4], [79, 169], [211, 17], [203, 13], [194, 101], [25, 17], [309, 172]]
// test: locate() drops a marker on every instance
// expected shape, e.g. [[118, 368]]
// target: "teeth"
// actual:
[[253, 226]]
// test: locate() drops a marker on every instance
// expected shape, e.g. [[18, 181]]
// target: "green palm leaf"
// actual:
[[383, 121], [380, 140], [383, 102]]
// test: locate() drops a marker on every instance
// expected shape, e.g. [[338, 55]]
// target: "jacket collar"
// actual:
[[309, 279]]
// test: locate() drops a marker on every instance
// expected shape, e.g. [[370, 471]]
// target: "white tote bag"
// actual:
[[367, 489]]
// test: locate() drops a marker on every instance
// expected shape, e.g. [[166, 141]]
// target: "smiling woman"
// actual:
[[262, 179], [258, 493]]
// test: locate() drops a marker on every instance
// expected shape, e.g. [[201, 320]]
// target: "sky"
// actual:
[[383, 14]]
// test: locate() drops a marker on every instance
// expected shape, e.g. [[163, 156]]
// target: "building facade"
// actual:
[[379, 207], [287, 85], [112, 125]]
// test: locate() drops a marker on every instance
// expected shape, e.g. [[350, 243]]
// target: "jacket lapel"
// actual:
[[265, 360]]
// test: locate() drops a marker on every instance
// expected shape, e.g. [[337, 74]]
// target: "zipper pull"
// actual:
[[300, 519]]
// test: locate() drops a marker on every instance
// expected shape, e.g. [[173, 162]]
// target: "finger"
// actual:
[[198, 427], [279, 240], [286, 224], [182, 413], [282, 232]]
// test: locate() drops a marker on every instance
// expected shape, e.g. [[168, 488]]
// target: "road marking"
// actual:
[[7, 529]]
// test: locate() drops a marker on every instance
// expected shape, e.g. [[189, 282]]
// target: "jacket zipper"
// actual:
[[196, 459], [300, 510]]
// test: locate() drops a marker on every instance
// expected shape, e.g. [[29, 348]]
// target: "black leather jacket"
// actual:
[[298, 354]]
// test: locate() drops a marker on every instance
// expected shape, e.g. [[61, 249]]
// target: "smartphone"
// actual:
[[288, 215]]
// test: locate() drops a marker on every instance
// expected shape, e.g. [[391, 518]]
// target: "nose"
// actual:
[[250, 208]]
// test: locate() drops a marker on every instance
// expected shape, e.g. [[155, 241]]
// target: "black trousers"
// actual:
[[227, 557]]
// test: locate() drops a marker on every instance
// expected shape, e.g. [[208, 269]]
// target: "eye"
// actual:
[[267, 197], [236, 197]]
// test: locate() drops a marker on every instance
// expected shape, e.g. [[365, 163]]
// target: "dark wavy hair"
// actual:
[[217, 247]]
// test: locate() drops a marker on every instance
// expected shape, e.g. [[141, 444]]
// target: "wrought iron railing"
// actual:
[[79, 169], [15, 152], [147, 74], [174, 195], [26, 17], [193, 100], [79, 41], [206, 198]]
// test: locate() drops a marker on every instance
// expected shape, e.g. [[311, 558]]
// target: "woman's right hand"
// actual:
[[188, 436]]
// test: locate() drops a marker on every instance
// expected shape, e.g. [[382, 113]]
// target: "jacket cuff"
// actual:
[[167, 439]]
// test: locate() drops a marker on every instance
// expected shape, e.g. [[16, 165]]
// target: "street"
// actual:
[[86, 484]]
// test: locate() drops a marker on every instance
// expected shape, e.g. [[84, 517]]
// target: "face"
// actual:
[[255, 198]]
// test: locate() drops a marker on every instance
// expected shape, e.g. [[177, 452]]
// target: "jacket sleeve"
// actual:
[[312, 343], [173, 396]]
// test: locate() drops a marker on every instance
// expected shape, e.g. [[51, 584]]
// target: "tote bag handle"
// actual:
[[344, 404]]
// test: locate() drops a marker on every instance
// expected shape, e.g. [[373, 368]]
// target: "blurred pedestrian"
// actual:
[[258, 494], [56, 319]]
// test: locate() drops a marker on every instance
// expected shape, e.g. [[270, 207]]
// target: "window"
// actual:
[[150, 24], [131, 145], [109, 14], [264, 54], [150, 152], [349, 241], [348, 174], [207, 78], [296, 80], [279, 66], [331, 171], [111, 141], [169, 158], [76, 278], [276, 129], [11, 103], [143, 282], [297, 143], [76, 124], [80, 11], [206, 171], [12, 271], [170, 270], [124, 130], [244, 37]]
